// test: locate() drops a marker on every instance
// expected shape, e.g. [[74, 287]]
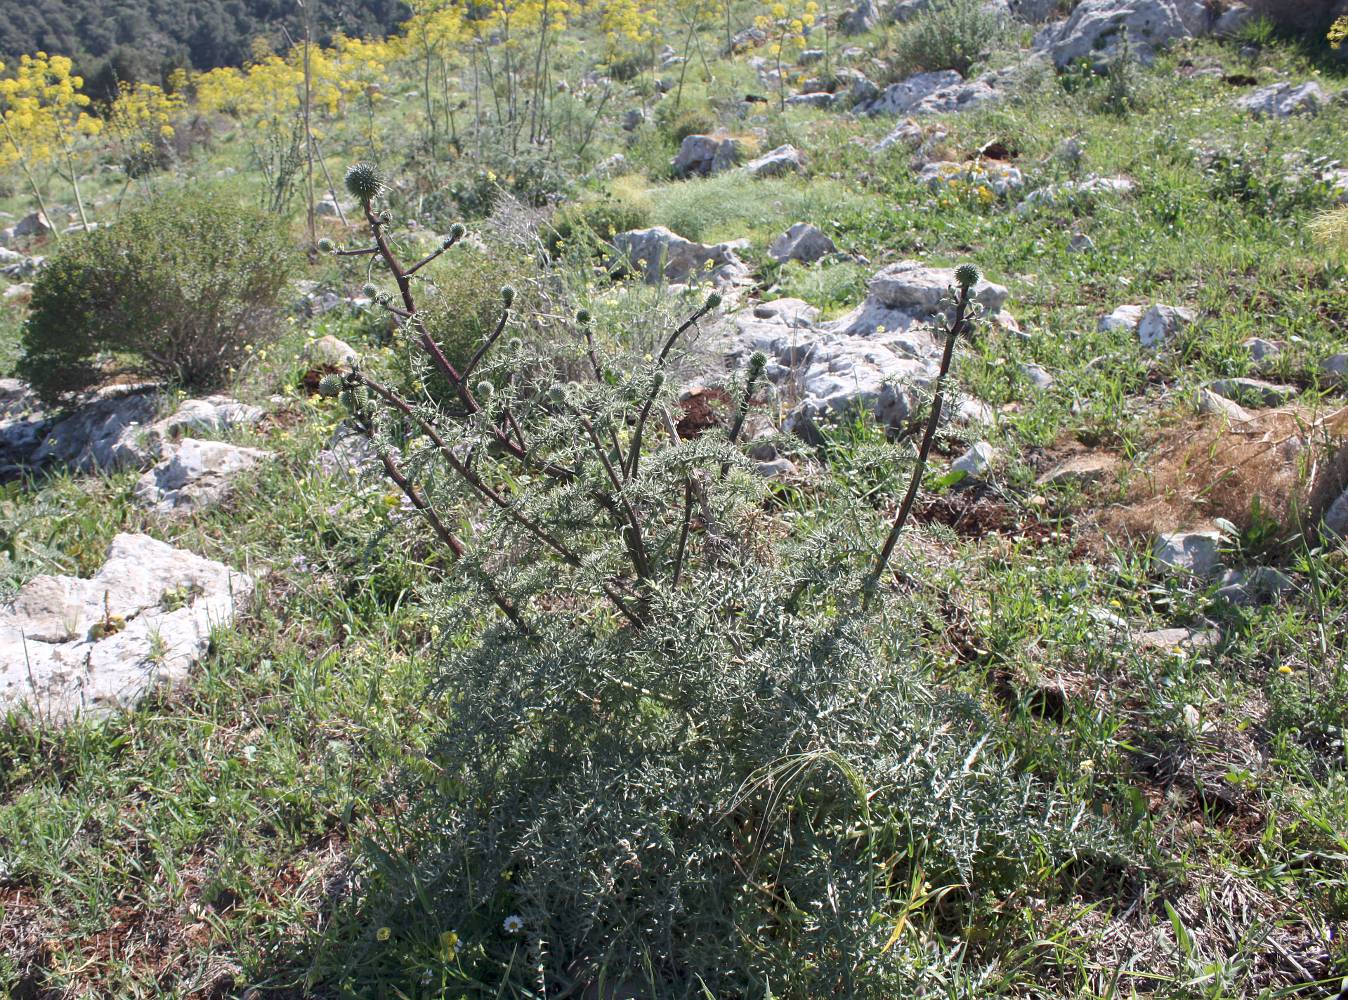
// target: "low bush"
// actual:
[[950, 34], [597, 219], [177, 289], [684, 753]]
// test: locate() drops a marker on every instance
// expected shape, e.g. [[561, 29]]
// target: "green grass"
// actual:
[[226, 835]]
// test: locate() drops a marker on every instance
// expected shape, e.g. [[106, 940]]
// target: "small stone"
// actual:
[[1196, 552], [1260, 585], [802, 242], [782, 160], [1262, 350], [1124, 318], [1335, 367], [1282, 100], [1039, 377], [1162, 323], [1253, 391], [975, 461], [329, 350], [1211, 403], [1081, 470]]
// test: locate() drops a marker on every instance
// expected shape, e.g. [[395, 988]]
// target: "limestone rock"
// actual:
[[85, 648], [1068, 191], [821, 99], [782, 160], [931, 93], [1161, 323], [999, 178], [663, 255], [1196, 552], [1253, 391], [1282, 100], [1124, 318], [330, 350], [1081, 470], [194, 475], [976, 461], [1095, 27], [860, 19], [33, 224], [802, 242], [103, 434], [23, 424], [703, 155], [1213, 403]]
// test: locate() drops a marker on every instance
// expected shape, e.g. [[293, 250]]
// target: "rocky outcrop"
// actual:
[[114, 428], [879, 357], [664, 256], [1282, 100], [931, 93], [802, 242], [1095, 29], [71, 647], [194, 475], [703, 155], [782, 160]]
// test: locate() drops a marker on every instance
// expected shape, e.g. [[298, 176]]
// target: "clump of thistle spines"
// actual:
[[713, 301], [583, 317], [757, 362], [456, 233], [365, 182], [326, 245], [330, 385], [966, 275], [508, 295]]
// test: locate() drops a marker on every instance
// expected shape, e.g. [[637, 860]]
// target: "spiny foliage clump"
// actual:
[[681, 752], [179, 288]]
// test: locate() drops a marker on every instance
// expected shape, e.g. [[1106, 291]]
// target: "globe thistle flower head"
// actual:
[[369, 290], [757, 362], [658, 380], [583, 317], [386, 217], [457, 231], [326, 245], [485, 389], [966, 275], [365, 182], [508, 295], [557, 395], [330, 385], [713, 301]]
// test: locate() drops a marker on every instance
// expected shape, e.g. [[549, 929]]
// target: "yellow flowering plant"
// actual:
[[42, 113], [787, 24]]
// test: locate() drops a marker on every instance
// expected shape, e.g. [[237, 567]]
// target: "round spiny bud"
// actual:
[[386, 217], [658, 380], [485, 389], [515, 344], [583, 317], [713, 300], [556, 395], [966, 275], [369, 290], [457, 231], [330, 385], [507, 295], [757, 362], [384, 298], [326, 245], [364, 181]]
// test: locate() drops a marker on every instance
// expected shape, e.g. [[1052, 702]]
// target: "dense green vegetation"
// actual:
[[644, 736], [143, 41]]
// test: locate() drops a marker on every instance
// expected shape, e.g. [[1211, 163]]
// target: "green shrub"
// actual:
[[950, 34], [680, 755], [461, 302], [597, 219], [176, 289], [680, 125]]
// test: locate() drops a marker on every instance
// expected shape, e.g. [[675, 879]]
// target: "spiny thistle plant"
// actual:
[[684, 756]]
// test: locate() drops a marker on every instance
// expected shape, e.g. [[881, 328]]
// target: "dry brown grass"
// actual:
[[1287, 464]]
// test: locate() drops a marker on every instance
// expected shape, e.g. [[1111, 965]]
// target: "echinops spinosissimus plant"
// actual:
[[684, 750]]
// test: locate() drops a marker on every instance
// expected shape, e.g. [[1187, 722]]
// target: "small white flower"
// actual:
[[513, 924]]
